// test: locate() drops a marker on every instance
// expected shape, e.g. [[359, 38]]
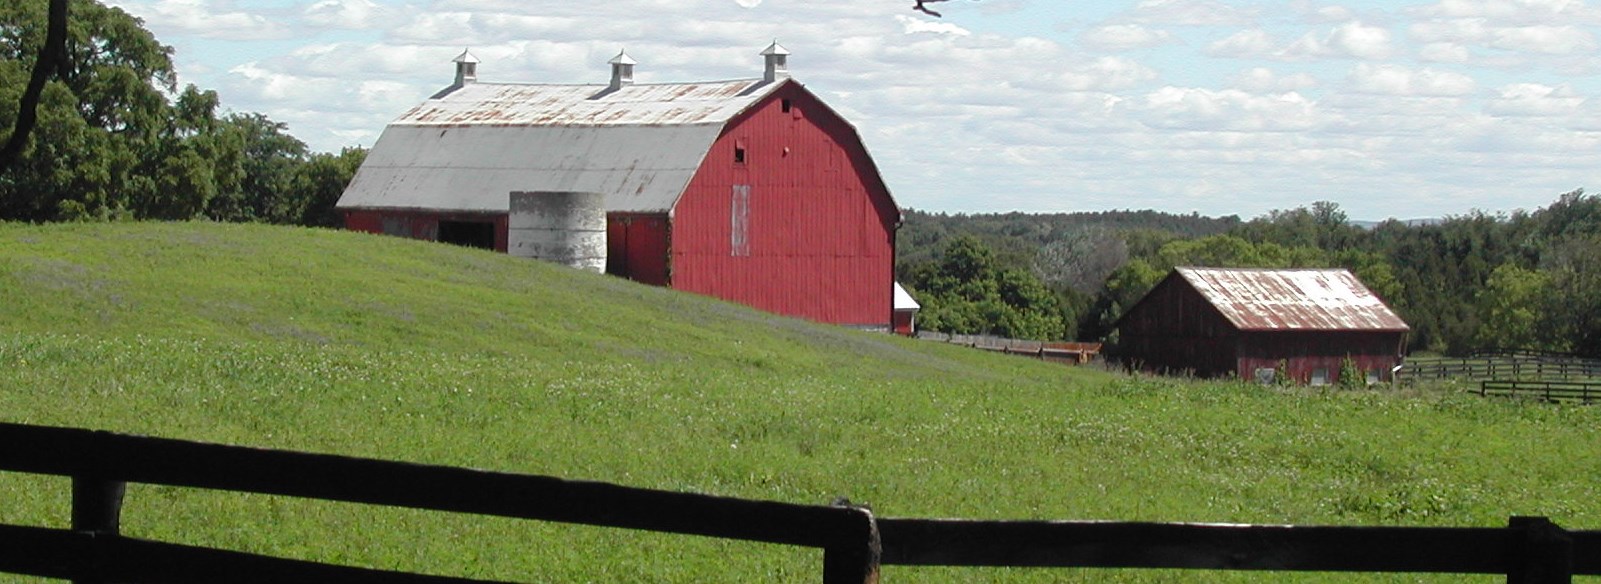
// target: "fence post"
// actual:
[[854, 558], [1542, 552], [96, 511]]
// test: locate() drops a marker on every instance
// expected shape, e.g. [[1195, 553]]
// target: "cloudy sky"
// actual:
[[1391, 109]]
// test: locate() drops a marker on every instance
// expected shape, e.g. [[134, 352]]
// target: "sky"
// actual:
[[1390, 109]]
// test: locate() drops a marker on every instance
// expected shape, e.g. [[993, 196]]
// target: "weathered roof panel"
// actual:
[[588, 105], [637, 168], [1255, 299], [468, 148]]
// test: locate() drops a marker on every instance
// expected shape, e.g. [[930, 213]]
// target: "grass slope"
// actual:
[[373, 346]]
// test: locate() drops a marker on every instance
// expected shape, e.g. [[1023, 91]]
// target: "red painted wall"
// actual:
[[904, 321], [814, 235], [636, 247]]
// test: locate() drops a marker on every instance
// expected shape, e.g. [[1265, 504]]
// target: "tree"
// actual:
[[966, 291], [318, 184], [99, 120], [1081, 260], [1511, 309], [51, 59]]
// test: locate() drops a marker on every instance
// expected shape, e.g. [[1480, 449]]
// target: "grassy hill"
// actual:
[[381, 347]]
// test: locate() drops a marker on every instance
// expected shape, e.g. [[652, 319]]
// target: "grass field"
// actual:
[[379, 347]]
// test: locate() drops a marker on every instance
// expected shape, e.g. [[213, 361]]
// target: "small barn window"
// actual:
[[1373, 376], [785, 105], [739, 155], [1265, 375], [1320, 376]]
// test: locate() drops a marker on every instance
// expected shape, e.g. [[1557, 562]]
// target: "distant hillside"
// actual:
[[1016, 236]]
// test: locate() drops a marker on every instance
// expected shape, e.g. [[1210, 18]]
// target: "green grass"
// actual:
[[379, 347]]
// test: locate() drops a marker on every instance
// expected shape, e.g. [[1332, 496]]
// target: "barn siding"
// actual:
[[1174, 329], [1304, 351], [818, 227], [636, 247], [422, 225]]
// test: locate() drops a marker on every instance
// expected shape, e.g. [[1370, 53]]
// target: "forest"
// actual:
[[1520, 280]]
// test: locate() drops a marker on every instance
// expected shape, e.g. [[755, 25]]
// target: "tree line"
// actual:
[[1527, 279], [114, 137]]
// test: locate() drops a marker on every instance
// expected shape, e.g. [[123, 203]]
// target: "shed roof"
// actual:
[[1257, 300], [467, 147], [904, 300]]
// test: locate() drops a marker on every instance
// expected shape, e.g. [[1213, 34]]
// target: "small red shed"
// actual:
[[1251, 322], [750, 190], [906, 309]]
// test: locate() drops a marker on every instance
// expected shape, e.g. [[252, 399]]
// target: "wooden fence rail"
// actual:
[[1055, 351], [1501, 368], [854, 543], [1552, 391], [100, 462]]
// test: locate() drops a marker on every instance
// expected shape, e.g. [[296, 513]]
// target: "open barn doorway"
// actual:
[[479, 234]]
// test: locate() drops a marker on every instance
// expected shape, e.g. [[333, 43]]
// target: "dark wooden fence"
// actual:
[[1529, 550], [1530, 367], [1552, 391], [1056, 351]]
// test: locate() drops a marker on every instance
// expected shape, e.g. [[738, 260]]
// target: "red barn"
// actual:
[[749, 190], [1247, 322]]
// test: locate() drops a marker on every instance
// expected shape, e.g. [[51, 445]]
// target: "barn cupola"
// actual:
[[466, 68], [777, 66], [622, 70]]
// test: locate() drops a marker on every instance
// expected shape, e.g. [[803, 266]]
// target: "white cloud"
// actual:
[[1192, 108], [1444, 52], [748, 3], [1555, 40], [1264, 80], [205, 18], [916, 25], [1349, 40], [1403, 81], [1191, 13], [1243, 44], [1123, 37], [347, 14], [1533, 99], [1512, 12]]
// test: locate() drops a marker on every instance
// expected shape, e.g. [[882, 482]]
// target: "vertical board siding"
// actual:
[[819, 230], [636, 247]]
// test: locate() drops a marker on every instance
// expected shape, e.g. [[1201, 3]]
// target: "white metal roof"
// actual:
[[1258, 299], [904, 300], [465, 150]]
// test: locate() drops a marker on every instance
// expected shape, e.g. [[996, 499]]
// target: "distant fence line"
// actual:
[[1551, 391], [1056, 351], [1528, 367], [1529, 550]]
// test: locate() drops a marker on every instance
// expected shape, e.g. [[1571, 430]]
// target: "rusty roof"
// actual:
[[1260, 299], [520, 104]]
